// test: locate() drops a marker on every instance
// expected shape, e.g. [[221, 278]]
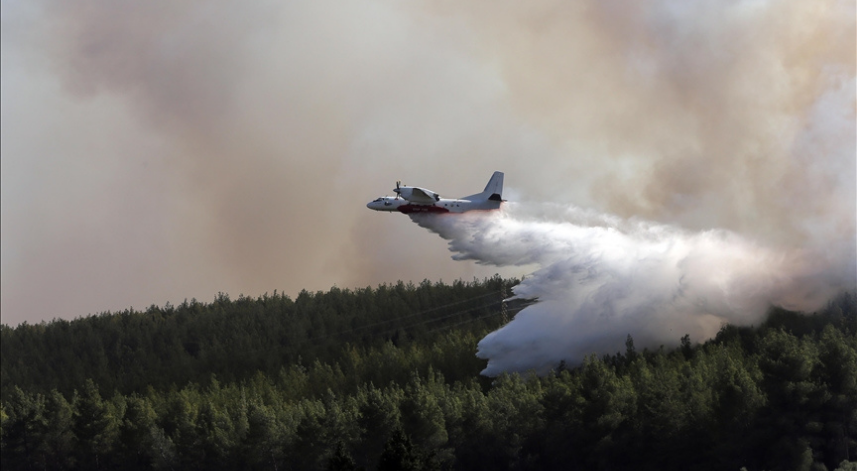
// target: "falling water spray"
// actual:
[[599, 278]]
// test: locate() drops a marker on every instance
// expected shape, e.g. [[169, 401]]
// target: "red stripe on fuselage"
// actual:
[[421, 208]]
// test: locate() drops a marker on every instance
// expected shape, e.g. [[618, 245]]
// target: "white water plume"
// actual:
[[599, 278]]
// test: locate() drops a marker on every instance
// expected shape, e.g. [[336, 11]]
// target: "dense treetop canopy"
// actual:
[[386, 378]]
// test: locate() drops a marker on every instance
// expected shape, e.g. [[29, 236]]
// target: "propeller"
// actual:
[[398, 190]]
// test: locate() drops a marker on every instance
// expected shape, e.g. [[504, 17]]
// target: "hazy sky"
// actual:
[[157, 151]]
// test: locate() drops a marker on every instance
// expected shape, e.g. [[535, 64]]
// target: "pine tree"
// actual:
[[94, 427], [135, 433], [341, 460], [399, 454], [59, 438], [23, 442]]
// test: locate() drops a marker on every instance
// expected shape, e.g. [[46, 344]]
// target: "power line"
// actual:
[[441, 318], [503, 311], [516, 310], [407, 317]]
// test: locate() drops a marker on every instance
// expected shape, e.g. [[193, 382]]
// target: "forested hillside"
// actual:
[[386, 378], [167, 346]]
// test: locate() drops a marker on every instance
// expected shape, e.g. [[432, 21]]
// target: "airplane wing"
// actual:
[[419, 195]]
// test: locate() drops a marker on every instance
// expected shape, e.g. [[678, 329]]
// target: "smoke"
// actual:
[[599, 278], [717, 144], [159, 151]]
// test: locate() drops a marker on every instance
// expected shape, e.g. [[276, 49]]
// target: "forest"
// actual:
[[386, 378]]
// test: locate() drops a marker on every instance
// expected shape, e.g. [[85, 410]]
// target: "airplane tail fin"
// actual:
[[493, 190]]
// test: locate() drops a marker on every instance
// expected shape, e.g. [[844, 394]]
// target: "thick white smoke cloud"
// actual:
[[730, 126], [599, 278], [156, 151]]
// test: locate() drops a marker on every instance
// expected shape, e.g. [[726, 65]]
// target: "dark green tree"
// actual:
[[608, 410], [135, 433], [58, 435], [378, 416], [182, 439], [422, 417], [263, 442], [341, 460], [23, 431], [399, 454], [94, 426]]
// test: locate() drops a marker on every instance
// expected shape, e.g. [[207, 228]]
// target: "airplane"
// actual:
[[415, 200]]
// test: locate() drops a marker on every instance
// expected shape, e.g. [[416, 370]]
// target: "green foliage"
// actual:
[[401, 455], [94, 424], [341, 461], [23, 442], [847, 466], [329, 337], [398, 395], [58, 435]]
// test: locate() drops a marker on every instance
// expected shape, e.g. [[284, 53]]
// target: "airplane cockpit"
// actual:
[[386, 203]]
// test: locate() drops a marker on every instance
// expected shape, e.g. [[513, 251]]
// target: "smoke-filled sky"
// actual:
[[157, 151]]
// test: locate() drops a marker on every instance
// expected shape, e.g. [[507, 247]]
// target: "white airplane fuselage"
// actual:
[[415, 200], [389, 203]]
